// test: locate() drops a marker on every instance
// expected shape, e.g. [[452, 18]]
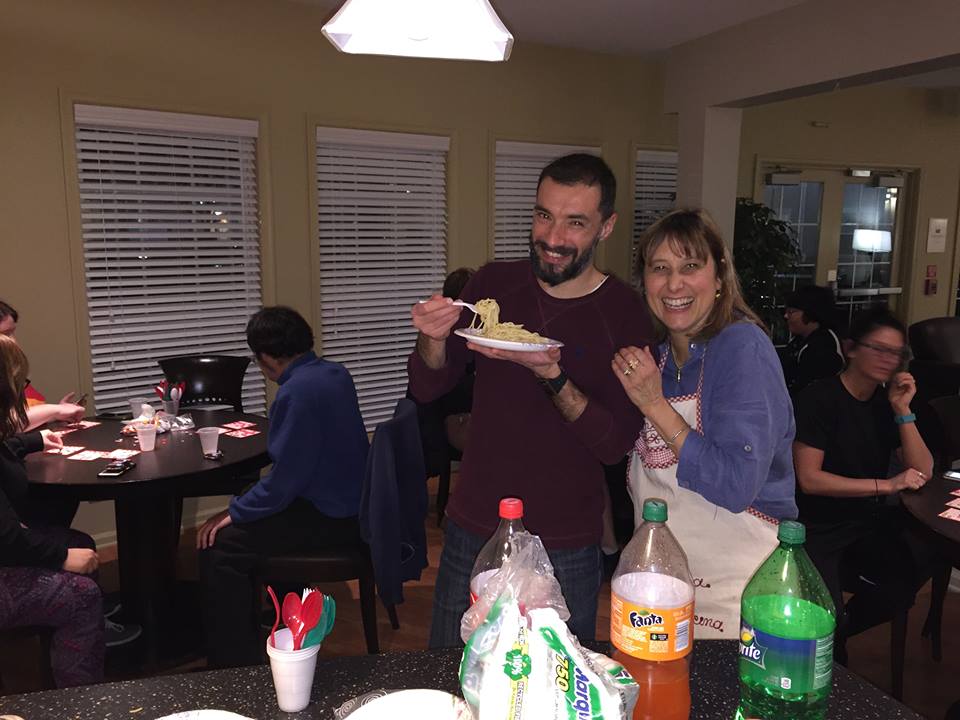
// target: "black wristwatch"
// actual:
[[553, 386]]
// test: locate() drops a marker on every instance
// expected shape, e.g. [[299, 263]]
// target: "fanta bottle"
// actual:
[[787, 619], [651, 617], [497, 549]]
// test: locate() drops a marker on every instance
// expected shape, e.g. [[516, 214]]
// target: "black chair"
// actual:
[[396, 444], [209, 379], [936, 366], [946, 410]]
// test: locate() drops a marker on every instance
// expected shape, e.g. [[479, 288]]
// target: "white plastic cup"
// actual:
[[292, 671], [147, 437], [171, 407], [136, 406], [209, 439]]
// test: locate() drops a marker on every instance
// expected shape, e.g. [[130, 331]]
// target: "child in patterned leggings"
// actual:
[[69, 603], [44, 573]]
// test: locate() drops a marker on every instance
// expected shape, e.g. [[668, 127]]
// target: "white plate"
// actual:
[[474, 336], [205, 715], [423, 704]]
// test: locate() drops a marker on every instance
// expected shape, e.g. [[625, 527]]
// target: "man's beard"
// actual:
[[548, 274]]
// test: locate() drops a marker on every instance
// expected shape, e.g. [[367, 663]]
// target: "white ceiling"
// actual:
[[631, 27]]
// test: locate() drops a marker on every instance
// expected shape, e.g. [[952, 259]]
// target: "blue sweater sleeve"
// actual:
[[748, 416], [292, 429]]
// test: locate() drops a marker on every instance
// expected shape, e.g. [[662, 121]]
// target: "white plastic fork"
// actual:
[[461, 303]]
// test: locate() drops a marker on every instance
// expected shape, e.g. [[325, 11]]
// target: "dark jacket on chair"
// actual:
[[394, 503]]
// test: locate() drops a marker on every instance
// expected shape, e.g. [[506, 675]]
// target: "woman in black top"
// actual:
[[848, 428], [44, 575]]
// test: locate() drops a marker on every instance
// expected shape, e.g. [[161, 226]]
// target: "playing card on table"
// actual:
[[240, 425], [89, 455], [122, 454], [951, 514], [81, 424], [242, 433], [65, 450], [955, 503], [955, 492]]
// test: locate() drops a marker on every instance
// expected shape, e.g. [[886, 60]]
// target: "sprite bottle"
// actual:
[[787, 619]]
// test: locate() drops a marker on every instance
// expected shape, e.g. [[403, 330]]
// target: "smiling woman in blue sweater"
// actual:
[[308, 500]]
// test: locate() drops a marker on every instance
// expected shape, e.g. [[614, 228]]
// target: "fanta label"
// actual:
[[650, 633]]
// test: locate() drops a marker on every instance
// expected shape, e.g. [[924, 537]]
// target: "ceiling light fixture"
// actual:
[[439, 29]]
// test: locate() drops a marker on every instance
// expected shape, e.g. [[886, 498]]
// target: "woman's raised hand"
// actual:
[[638, 372]]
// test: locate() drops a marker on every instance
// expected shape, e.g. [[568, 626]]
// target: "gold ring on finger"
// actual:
[[633, 363], [627, 371]]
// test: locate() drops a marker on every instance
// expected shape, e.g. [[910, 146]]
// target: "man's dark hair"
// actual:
[[874, 318], [584, 169], [7, 309], [815, 302], [280, 332]]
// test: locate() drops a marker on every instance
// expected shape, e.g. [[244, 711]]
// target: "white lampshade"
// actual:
[[872, 240], [452, 29]]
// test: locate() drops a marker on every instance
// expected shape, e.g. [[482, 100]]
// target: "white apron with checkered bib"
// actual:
[[723, 548]]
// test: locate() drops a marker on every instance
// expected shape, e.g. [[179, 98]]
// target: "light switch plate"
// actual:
[[937, 235]]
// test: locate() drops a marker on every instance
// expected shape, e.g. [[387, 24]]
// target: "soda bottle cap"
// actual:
[[655, 510], [792, 532], [511, 508]]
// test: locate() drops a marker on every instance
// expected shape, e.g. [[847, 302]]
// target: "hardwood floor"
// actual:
[[930, 687]]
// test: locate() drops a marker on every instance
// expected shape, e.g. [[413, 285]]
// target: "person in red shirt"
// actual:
[[543, 423]]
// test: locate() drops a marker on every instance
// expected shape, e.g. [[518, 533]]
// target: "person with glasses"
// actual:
[[814, 352], [851, 429]]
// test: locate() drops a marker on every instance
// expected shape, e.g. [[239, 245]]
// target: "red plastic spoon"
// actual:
[[292, 610], [276, 621], [309, 617]]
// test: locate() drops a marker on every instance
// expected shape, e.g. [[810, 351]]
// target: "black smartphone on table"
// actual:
[[117, 468]]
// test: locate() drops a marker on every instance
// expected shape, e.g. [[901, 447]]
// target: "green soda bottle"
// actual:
[[787, 619]]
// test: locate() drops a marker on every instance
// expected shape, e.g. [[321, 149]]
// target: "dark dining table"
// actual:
[[249, 691], [148, 498], [926, 505]]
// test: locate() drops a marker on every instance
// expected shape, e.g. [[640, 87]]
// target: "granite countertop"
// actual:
[[249, 691]]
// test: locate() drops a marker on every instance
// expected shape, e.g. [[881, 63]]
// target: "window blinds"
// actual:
[[171, 244], [518, 166], [382, 223], [654, 194]]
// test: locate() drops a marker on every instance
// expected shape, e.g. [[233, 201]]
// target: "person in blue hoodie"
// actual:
[[311, 496]]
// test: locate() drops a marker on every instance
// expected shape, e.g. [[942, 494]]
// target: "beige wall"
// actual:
[[266, 59], [879, 125]]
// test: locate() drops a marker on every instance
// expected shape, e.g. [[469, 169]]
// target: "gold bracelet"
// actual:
[[672, 441]]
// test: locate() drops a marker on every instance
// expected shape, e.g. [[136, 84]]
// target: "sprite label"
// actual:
[[788, 665]]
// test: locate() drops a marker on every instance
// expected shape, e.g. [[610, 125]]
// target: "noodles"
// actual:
[[487, 323]]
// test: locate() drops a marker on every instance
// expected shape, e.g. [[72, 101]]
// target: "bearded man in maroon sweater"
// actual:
[[543, 423]]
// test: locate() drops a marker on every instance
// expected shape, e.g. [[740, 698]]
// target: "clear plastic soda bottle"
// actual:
[[497, 549], [651, 614], [787, 619]]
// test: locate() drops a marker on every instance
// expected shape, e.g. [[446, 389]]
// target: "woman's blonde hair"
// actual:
[[692, 233], [13, 384]]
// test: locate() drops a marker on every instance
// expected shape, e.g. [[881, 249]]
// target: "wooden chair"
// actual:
[[25, 660]]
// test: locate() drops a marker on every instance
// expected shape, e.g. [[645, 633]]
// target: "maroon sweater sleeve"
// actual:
[[427, 384], [610, 423]]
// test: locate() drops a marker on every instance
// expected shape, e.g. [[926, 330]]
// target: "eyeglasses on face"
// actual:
[[902, 353]]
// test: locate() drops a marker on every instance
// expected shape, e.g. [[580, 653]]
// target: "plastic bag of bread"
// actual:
[[522, 663]]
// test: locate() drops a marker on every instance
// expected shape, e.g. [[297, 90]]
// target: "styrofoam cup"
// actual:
[[209, 438], [146, 436], [292, 671]]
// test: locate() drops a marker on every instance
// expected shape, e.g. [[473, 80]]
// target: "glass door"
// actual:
[[848, 229]]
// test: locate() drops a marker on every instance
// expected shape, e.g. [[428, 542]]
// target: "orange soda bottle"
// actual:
[[651, 617]]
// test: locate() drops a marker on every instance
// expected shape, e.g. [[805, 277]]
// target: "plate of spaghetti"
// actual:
[[486, 329]]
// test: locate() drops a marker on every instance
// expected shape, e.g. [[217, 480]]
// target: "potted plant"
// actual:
[[764, 249]]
